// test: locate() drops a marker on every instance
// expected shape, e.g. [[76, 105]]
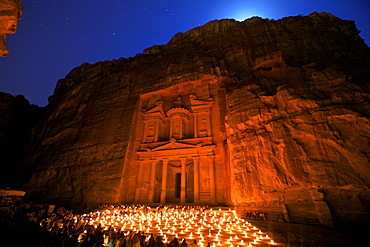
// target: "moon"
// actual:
[[246, 9]]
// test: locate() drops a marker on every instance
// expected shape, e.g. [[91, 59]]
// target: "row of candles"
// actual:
[[218, 227]]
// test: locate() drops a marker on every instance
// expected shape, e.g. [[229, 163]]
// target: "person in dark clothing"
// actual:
[[184, 243], [151, 242], [174, 243], [159, 242]]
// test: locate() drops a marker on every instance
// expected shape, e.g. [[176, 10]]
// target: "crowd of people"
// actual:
[[255, 215], [46, 226]]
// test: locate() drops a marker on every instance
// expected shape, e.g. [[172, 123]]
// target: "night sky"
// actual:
[[55, 36]]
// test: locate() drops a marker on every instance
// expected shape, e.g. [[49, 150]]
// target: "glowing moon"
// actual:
[[245, 10]]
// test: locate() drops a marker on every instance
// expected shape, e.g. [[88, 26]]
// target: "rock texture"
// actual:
[[293, 110], [10, 14]]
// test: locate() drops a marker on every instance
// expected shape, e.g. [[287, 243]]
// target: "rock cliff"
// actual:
[[292, 110], [10, 14], [17, 118]]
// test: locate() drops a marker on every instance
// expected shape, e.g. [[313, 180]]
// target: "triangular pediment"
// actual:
[[173, 144], [196, 103], [157, 109]]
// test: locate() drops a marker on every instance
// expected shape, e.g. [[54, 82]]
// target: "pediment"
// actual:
[[198, 104], [173, 144], [156, 109]]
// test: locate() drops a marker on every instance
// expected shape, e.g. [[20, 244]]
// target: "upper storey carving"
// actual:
[[185, 117]]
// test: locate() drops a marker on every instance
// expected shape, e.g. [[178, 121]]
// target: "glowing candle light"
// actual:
[[272, 242], [172, 220]]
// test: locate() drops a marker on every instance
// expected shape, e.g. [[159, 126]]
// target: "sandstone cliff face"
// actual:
[[293, 108], [10, 14]]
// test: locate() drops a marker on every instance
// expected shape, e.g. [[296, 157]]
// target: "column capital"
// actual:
[[195, 157], [183, 158], [210, 156]]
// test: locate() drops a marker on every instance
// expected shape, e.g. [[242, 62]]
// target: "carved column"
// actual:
[[181, 129], [152, 181], [156, 130], [196, 180], [212, 184], [183, 181], [164, 181], [209, 133], [138, 181], [145, 131], [195, 125]]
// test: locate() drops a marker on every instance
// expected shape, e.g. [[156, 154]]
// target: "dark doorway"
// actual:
[[178, 185]]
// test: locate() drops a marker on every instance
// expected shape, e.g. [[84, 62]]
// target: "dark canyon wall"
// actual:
[[293, 110], [17, 119]]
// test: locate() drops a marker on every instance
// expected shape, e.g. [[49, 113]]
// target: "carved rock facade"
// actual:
[[261, 114], [10, 14]]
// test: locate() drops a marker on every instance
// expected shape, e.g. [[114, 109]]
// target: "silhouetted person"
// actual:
[[194, 244], [151, 242], [184, 243], [159, 242], [174, 243]]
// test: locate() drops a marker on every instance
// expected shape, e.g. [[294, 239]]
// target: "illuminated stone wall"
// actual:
[[174, 135], [289, 123]]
